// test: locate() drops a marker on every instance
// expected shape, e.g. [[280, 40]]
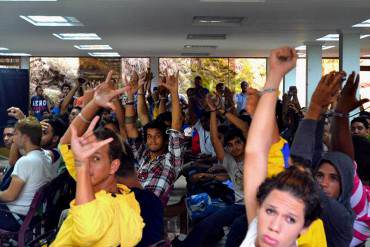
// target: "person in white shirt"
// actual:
[[30, 174]]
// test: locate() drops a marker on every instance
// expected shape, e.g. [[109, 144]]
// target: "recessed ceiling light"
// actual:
[[363, 24], [3, 49], [93, 47], [329, 37], [51, 21], [364, 36], [200, 46], [77, 36], [217, 21], [14, 54], [104, 54], [206, 36]]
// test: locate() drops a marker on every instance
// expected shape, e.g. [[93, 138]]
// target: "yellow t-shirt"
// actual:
[[315, 235], [275, 163], [109, 220]]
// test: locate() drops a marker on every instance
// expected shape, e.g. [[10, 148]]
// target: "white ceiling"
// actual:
[[136, 28]]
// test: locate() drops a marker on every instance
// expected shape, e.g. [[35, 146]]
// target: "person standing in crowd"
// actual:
[[39, 104], [197, 100], [242, 97]]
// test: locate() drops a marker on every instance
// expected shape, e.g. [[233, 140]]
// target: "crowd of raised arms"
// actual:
[[266, 171]]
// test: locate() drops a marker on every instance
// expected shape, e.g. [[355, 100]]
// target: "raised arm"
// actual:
[[240, 124], [172, 85], [253, 98], [347, 102], [68, 98], [83, 147], [142, 108], [260, 136], [130, 113], [104, 93], [219, 148], [120, 115], [307, 144]]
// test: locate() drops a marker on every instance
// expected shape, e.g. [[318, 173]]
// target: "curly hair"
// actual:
[[298, 183]]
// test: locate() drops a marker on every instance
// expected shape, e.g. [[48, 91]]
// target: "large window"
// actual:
[[230, 71]]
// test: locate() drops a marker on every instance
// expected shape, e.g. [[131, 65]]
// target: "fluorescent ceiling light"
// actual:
[[77, 36], [51, 21], [324, 47], [3, 49], [329, 37], [15, 54], [93, 47], [364, 36], [104, 54], [363, 24]]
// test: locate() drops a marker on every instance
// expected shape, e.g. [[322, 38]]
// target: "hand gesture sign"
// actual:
[[105, 92], [347, 100], [86, 145]]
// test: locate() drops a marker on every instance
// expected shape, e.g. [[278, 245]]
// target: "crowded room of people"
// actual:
[[185, 123]]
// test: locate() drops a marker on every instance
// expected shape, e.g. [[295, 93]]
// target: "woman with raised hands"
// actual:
[[281, 208]]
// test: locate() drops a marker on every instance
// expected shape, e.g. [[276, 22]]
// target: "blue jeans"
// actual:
[[208, 230], [7, 220]]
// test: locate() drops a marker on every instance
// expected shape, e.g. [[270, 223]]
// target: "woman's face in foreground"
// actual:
[[280, 220]]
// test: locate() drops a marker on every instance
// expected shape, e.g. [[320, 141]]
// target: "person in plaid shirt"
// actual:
[[159, 152]]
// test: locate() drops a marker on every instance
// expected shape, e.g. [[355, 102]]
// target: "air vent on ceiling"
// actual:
[[200, 46], [222, 21], [195, 54], [206, 36]]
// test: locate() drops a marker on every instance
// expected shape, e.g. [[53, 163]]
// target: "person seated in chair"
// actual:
[[29, 175]]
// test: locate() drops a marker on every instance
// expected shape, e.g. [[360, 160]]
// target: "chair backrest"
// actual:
[[32, 212], [60, 193], [46, 206]]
